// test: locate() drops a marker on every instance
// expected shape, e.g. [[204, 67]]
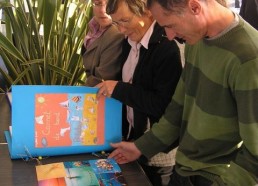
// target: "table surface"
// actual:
[[21, 173]]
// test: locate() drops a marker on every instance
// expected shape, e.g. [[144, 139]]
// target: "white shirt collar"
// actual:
[[145, 39]]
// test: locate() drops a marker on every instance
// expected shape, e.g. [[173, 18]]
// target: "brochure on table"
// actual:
[[60, 120], [100, 172]]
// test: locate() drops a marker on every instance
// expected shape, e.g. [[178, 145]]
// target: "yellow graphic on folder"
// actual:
[[90, 113]]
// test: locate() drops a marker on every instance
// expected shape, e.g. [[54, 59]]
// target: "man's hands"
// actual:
[[106, 88], [125, 152]]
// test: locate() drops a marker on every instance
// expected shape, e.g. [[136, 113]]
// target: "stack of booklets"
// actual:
[[60, 120], [100, 172]]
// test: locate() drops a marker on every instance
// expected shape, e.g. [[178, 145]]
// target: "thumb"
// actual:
[[115, 145], [99, 85]]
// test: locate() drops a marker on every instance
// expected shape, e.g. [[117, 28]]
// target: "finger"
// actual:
[[101, 92], [122, 159], [114, 154], [110, 85], [98, 95], [99, 85], [116, 145]]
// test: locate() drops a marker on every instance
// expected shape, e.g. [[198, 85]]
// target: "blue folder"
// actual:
[[21, 140]]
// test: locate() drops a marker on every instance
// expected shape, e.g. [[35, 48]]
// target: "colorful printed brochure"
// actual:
[[100, 172], [58, 120]]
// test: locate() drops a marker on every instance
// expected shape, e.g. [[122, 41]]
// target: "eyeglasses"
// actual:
[[99, 4], [124, 23]]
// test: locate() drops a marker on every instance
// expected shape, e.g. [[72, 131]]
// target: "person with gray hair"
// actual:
[[151, 70], [214, 111]]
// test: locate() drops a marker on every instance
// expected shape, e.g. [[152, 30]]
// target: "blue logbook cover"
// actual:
[[61, 120]]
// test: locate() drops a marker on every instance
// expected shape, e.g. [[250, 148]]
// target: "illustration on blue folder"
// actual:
[[68, 119]]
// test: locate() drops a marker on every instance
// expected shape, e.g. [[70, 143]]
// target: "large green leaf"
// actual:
[[43, 40], [8, 45]]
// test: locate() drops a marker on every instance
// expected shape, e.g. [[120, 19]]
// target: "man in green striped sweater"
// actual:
[[214, 111]]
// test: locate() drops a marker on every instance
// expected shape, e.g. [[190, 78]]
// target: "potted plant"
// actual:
[[42, 41]]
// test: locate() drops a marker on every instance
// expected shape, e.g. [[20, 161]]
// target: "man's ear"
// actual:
[[194, 6]]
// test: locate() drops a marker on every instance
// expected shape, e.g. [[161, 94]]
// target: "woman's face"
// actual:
[[130, 24], [99, 11]]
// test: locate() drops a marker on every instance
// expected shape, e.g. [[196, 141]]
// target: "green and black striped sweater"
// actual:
[[214, 111]]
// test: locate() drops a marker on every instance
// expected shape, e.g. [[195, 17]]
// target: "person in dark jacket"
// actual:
[[150, 73], [249, 11]]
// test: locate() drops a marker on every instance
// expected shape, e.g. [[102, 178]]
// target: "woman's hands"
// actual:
[[106, 88]]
